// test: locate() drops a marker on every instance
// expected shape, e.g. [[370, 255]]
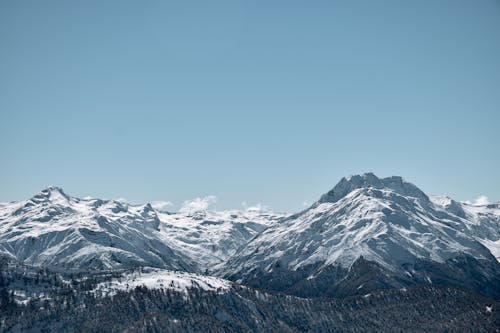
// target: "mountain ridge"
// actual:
[[402, 235]]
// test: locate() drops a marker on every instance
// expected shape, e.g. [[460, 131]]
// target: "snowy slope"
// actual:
[[55, 229], [482, 222], [152, 278], [210, 237], [387, 221]]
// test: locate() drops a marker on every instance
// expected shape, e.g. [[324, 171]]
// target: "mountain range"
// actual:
[[364, 236]]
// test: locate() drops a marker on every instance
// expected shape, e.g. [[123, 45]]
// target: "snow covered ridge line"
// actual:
[[162, 279], [386, 220], [389, 222], [58, 230]]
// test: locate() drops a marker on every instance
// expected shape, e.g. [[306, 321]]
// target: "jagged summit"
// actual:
[[51, 195], [369, 180], [51, 192]]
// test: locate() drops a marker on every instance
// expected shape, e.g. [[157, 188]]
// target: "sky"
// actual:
[[241, 103]]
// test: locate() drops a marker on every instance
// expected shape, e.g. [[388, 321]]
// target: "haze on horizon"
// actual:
[[255, 102]]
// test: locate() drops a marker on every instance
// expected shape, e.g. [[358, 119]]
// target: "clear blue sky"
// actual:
[[262, 101]]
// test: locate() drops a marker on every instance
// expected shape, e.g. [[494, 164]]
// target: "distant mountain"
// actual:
[[365, 234], [369, 233], [56, 230]]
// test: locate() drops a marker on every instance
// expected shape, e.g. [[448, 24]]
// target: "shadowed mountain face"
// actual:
[[365, 234]]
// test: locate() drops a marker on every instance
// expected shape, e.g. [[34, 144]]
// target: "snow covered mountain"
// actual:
[[483, 222], [55, 229], [211, 237], [365, 234], [368, 226]]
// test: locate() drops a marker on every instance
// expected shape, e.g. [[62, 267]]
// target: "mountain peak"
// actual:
[[51, 193], [52, 188], [367, 180]]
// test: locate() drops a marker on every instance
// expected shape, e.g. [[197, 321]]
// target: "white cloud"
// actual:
[[481, 200], [306, 203], [161, 205], [258, 208], [198, 204]]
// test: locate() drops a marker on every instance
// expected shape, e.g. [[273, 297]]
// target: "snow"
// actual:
[[213, 236], [484, 223], [163, 279], [387, 220], [493, 246], [53, 228], [440, 200]]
